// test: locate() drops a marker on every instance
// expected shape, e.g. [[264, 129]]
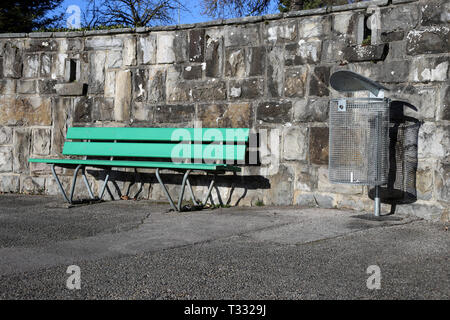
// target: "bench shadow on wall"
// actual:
[[237, 183], [403, 157]]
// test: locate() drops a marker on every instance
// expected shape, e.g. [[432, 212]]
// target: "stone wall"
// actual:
[[268, 72]]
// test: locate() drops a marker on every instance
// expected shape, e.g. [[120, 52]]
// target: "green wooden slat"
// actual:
[[160, 134], [156, 150], [140, 164]]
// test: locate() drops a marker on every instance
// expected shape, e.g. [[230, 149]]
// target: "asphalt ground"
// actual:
[[140, 250]]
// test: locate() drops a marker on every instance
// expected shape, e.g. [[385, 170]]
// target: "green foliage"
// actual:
[[259, 203], [27, 15], [284, 5], [367, 41]]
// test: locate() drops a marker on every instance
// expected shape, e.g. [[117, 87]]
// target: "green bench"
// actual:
[[211, 150]]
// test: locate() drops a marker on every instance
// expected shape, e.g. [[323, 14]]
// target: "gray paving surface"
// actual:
[[137, 249]]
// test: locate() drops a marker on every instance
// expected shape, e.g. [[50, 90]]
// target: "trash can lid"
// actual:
[[348, 81]]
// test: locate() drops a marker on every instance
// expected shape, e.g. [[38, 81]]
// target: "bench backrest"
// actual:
[[177, 144]]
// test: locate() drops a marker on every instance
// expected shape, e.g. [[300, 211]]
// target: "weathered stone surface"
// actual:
[[295, 143], [173, 114], [424, 181], [156, 85], [281, 31], [433, 39], [275, 62], [46, 86], [46, 65], [114, 59], [147, 49], [344, 24], [26, 86], [442, 181], [225, 116], [6, 159], [235, 63], [12, 61], [9, 184], [396, 18], [295, 82], [421, 101], [8, 86], [303, 52], [82, 109], [333, 51], [6, 134], [435, 12], [445, 104], [32, 185], [97, 72], [180, 46], [196, 45], [70, 89], [193, 72], [25, 111], [311, 110], [434, 141], [361, 53], [129, 56], [306, 178], [429, 69], [243, 35], [318, 145], [392, 36], [165, 49], [314, 26], [281, 192], [141, 111], [209, 91], [122, 100], [103, 109], [21, 150], [318, 85], [41, 141], [325, 185], [62, 118], [103, 42], [274, 112], [246, 89], [256, 57], [34, 45], [213, 54], [31, 66]]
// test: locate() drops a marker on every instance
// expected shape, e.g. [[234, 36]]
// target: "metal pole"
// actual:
[[377, 201]]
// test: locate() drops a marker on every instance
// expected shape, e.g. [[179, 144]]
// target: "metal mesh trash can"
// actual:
[[359, 133]]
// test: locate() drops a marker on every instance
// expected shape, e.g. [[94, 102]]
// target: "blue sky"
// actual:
[[185, 17]]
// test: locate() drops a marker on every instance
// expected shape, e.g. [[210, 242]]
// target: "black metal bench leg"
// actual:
[[59, 183], [165, 190]]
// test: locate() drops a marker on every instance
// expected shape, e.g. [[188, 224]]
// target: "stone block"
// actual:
[[281, 191], [97, 72], [26, 86], [275, 72], [324, 184], [316, 26], [434, 141], [21, 150], [404, 17], [103, 43], [6, 135], [362, 53], [193, 72], [196, 45], [279, 31], [429, 69], [442, 181], [82, 109], [209, 91], [303, 52], [6, 159], [129, 56], [242, 35], [311, 110], [46, 86], [319, 81], [141, 111], [295, 143], [122, 100], [31, 66], [8, 86], [435, 12], [432, 39], [295, 82], [103, 109], [274, 112], [318, 145], [41, 139], [156, 85], [306, 178], [237, 115], [32, 185], [110, 84], [422, 100], [46, 65], [12, 61], [52, 45], [114, 59], [70, 89], [235, 62], [213, 55], [9, 184], [165, 49], [255, 57], [25, 111], [174, 113], [62, 118], [180, 46], [424, 181], [444, 113], [146, 49], [246, 89]]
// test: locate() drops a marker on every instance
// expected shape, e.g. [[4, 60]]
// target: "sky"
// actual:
[[193, 16]]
